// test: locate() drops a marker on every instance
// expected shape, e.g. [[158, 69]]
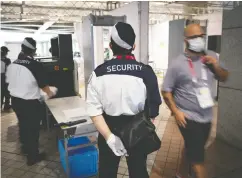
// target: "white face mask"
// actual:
[[196, 44]]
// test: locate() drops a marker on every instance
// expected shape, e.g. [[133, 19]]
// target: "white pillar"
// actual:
[[98, 45]]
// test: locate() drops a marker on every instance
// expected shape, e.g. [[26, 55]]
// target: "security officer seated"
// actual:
[[117, 91], [25, 77], [5, 62]]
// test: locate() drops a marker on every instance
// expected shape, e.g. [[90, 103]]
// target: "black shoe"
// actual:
[[7, 107], [31, 160]]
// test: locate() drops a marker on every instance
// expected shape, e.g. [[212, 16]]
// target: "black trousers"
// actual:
[[109, 162], [29, 114], [5, 95]]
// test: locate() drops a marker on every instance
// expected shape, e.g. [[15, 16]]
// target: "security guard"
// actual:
[[117, 90], [5, 62], [25, 77]]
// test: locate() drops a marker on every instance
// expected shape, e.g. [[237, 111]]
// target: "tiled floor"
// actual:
[[222, 161]]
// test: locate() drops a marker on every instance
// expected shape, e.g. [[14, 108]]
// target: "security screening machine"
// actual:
[[61, 68], [83, 125], [62, 71], [88, 24]]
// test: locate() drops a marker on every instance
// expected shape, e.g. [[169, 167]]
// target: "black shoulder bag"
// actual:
[[139, 133]]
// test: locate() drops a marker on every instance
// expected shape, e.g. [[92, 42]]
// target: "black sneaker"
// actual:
[[31, 160]]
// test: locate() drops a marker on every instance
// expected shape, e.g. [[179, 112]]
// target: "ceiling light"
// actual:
[[42, 17], [126, 3], [59, 2]]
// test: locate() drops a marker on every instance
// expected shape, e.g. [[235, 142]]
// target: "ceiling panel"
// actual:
[[32, 14]]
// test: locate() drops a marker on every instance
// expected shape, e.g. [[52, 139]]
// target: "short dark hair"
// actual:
[[119, 50], [4, 50], [26, 50]]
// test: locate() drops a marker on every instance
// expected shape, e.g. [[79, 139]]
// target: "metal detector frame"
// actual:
[[88, 22]]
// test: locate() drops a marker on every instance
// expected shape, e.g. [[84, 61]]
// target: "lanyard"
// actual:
[[193, 72], [191, 67], [128, 57]]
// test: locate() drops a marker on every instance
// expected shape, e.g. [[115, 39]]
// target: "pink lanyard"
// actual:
[[192, 68]]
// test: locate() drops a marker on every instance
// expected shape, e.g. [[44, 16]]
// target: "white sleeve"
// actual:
[[94, 106]]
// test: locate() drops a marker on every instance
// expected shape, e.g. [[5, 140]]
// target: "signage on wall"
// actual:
[[106, 34]]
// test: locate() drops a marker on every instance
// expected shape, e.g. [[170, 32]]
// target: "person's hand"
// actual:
[[180, 118], [51, 94], [210, 60], [116, 145]]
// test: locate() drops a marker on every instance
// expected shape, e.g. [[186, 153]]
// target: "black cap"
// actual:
[[123, 35], [4, 49], [29, 43]]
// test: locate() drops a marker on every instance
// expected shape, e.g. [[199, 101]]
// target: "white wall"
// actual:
[[13, 41], [19, 37], [158, 44], [214, 22], [14, 50]]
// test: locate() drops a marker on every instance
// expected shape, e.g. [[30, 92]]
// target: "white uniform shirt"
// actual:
[[25, 78], [120, 87]]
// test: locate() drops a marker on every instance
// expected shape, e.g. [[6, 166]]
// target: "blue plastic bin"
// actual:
[[83, 162]]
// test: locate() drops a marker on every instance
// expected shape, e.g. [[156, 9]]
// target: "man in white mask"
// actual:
[[187, 92]]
